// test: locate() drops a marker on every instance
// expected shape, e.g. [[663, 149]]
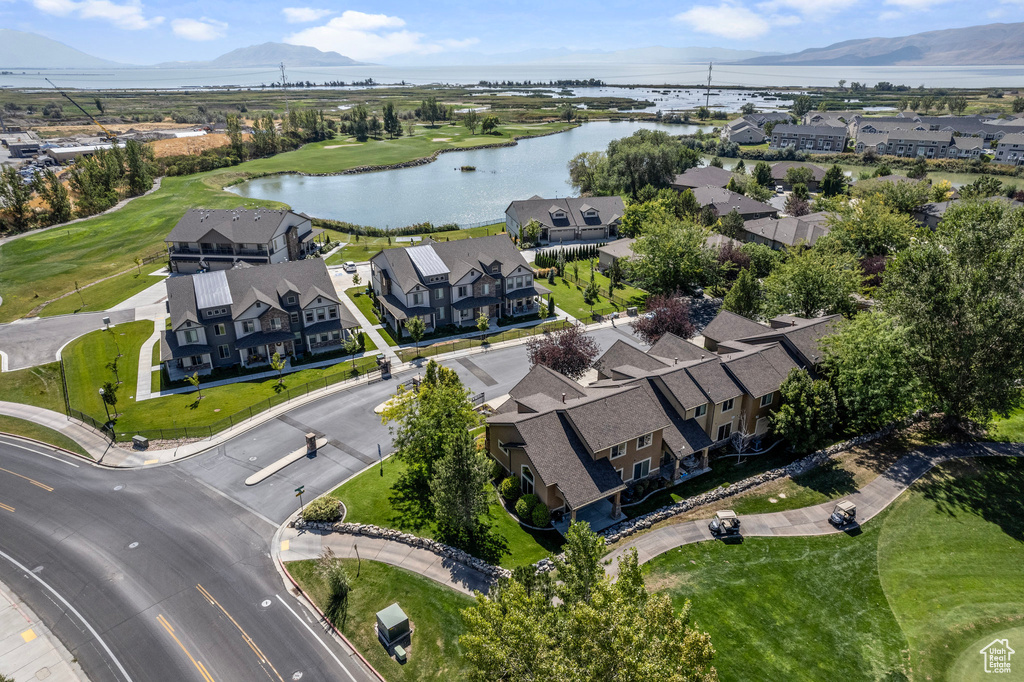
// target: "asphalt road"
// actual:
[[36, 341], [150, 575]]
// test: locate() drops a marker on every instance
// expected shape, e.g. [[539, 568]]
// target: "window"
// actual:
[[766, 400], [440, 313], [501, 446], [248, 327], [727, 405], [487, 289], [644, 441], [294, 318], [309, 316], [275, 324], [224, 352], [618, 450], [619, 472], [417, 299], [462, 291], [196, 359], [332, 313], [700, 411], [335, 335], [439, 294], [291, 300], [191, 336], [641, 469], [526, 480], [219, 330], [320, 316], [724, 430]]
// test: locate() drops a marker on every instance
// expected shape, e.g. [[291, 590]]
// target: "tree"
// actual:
[[139, 174], [808, 412], [982, 188], [567, 113], [731, 224], [799, 175], [430, 110], [416, 328], [867, 361], [392, 124], [1017, 105], [588, 173], [531, 233], [758, 192], [277, 363], [769, 126], [194, 380], [489, 124], [800, 192], [647, 157], [671, 255], [763, 258], [665, 314], [471, 120], [905, 196], [352, 347], [483, 323], [740, 168], [748, 108], [957, 294], [801, 105], [570, 352], [703, 113], [235, 139], [14, 199], [110, 395], [55, 194], [551, 305], [763, 174], [459, 492], [355, 279], [870, 228], [744, 298], [918, 170], [581, 570], [812, 282], [796, 205], [835, 182], [715, 162], [842, 84], [336, 581]]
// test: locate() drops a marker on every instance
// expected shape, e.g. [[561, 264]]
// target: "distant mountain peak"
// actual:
[[23, 50], [271, 54]]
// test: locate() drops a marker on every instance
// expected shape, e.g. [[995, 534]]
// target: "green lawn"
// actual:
[[363, 302], [497, 336], [915, 590], [569, 296], [21, 427], [369, 498], [366, 247], [39, 386], [1010, 429], [435, 613], [106, 294]]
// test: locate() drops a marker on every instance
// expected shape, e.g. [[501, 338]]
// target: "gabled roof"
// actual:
[[780, 169], [239, 226], [620, 248], [800, 336], [459, 257], [761, 371], [794, 129], [546, 381], [609, 210], [624, 354], [790, 230], [615, 418], [713, 380], [725, 200], [706, 176], [670, 348], [728, 326]]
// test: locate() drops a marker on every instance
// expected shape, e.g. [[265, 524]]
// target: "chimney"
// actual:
[[563, 398]]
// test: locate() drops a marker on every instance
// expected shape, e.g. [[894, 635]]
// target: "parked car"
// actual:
[[725, 523], [349, 266], [844, 513]]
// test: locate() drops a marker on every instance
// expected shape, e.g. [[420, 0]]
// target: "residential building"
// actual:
[[608, 254], [650, 414], [816, 139], [931, 214], [453, 283], [780, 233], [742, 131], [762, 118], [931, 144], [781, 169], [1010, 150], [724, 201], [704, 176], [244, 315], [828, 118], [567, 220], [218, 239]]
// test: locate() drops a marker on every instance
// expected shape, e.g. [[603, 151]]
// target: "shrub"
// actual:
[[509, 489], [541, 516], [496, 470], [525, 505], [322, 509]]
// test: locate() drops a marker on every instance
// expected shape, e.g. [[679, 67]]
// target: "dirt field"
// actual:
[[188, 145]]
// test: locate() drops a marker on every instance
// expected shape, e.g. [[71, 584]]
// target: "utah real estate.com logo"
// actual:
[[997, 656]]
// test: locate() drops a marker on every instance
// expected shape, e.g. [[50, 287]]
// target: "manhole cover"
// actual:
[[133, 545], [297, 675], [118, 487], [265, 603], [252, 459]]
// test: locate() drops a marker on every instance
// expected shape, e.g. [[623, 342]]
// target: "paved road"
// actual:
[[150, 575], [353, 431], [36, 341]]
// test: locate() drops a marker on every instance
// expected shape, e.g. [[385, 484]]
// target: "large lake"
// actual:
[[439, 192]]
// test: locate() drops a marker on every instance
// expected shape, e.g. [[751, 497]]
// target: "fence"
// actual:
[[615, 299], [470, 226], [407, 354]]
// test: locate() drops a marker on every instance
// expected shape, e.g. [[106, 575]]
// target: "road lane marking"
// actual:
[[170, 630], [30, 480], [248, 640], [73, 610], [36, 452], [28, 635], [7, 507], [324, 645]]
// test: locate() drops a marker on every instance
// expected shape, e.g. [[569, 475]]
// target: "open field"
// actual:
[[369, 498], [1009, 429], [21, 427], [884, 603], [108, 293], [435, 613]]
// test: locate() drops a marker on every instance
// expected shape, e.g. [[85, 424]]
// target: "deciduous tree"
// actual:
[[835, 182], [808, 413], [671, 256], [570, 352], [744, 298], [665, 314], [811, 282], [870, 228], [459, 492]]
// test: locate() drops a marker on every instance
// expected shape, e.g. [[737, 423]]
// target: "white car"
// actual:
[[349, 266]]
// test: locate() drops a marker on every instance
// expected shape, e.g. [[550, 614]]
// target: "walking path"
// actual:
[[28, 650], [369, 328]]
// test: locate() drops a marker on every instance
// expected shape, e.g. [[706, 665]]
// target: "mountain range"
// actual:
[[642, 55], [269, 54], [991, 44], [21, 50]]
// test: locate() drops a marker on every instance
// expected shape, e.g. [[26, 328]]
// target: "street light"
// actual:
[[106, 409]]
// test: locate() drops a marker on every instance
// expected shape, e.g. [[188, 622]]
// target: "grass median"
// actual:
[[22, 427]]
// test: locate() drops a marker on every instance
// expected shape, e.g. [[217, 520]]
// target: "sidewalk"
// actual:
[[368, 328], [28, 650]]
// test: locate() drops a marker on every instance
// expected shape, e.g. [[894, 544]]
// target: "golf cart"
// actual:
[[843, 514], [724, 523]]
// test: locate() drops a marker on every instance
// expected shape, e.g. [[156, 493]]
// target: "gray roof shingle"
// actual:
[[609, 210], [725, 200], [239, 226], [728, 326]]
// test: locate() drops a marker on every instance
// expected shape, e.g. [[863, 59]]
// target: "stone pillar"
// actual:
[[617, 504], [311, 442], [572, 516], [704, 459], [675, 469]]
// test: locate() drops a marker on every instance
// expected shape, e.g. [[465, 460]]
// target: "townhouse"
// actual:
[[703, 176], [1010, 150], [567, 220], [781, 170], [453, 283], [816, 139], [742, 131], [724, 201], [649, 414], [782, 233], [245, 315], [215, 239]]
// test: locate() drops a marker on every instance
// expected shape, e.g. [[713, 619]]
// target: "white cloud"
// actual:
[[303, 15], [128, 16], [199, 29], [370, 36], [808, 8], [917, 4], [890, 16], [730, 20]]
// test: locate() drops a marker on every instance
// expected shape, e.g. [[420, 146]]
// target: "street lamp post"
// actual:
[[105, 407]]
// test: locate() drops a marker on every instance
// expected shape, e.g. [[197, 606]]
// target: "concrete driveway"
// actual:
[[35, 341]]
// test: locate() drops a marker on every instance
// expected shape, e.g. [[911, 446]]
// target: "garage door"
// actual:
[[592, 233]]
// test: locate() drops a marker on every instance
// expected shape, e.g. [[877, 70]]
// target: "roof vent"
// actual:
[[675, 361], [701, 356], [563, 397]]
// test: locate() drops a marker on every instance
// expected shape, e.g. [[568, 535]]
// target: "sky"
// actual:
[[401, 31]]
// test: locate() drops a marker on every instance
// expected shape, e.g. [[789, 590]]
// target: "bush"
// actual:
[[496, 470], [509, 489], [525, 506], [322, 509], [541, 516]]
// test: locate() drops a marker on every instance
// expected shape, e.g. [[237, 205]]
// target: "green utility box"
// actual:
[[392, 625], [400, 653]]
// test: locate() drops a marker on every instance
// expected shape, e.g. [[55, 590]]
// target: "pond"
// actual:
[[439, 192]]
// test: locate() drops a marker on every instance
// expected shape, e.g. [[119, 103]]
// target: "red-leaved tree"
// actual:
[[569, 352], [664, 314]]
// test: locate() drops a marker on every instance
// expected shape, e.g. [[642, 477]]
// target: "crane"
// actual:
[[109, 135]]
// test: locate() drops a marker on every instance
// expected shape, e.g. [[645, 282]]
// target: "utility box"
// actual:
[[140, 442], [400, 654], [310, 442], [392, 625]]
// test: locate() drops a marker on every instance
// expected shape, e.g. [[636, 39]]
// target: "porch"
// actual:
[[597, 514]]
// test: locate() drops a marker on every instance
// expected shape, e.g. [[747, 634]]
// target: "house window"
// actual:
[[248, 326], [526, 480], [224, 352], [766, 400], [309, 316], [440, 313], [700, 411], [641, 469], [727, 405], [196, 359], [275, 324], [336, 335], [191, 336], [332, 313], [618, 450], [439, 294], [291, 300], [724, 430], [487, 289], [501, 446], [219, 330], [619, 472], [644, 441], [294, 317], [462, 291], [320, 316], [417, 299]]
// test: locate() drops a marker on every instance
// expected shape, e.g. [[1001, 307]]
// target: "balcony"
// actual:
[[184, 250], [217, 251], [252, 252]]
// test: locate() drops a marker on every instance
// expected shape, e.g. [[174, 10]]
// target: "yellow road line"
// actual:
[[7, 507], [151, 461], [248, 640], [30, 480], [285, 544], [207, 677]]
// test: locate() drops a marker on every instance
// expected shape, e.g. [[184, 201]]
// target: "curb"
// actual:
[[90, 460]]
